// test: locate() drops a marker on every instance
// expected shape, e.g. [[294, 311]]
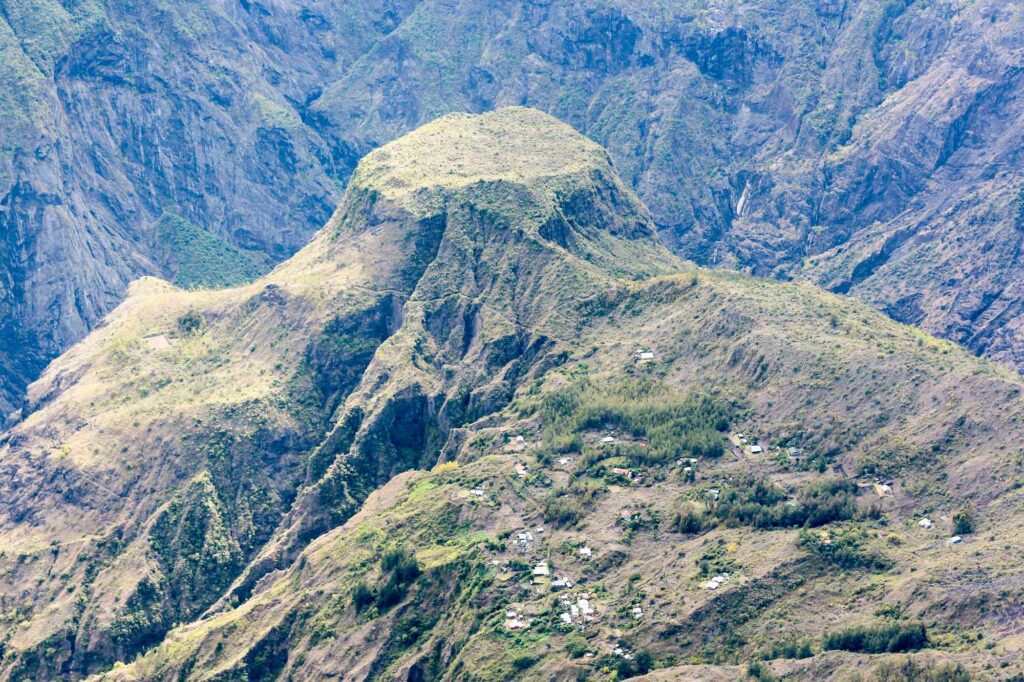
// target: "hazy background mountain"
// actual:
[[871, 146]]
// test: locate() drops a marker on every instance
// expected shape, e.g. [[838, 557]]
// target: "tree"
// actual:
[[963, 522], [362, 596]]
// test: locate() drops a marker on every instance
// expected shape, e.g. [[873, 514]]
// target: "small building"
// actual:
[[644, 355], [637, 612], [542, 569], [925, 523], [607, 440], [619, 471], [586, 552], [562, 583], [955, 540], [516, 623], [477, 492], [566, 618], [157, 341], [717, 581], [756, 450]]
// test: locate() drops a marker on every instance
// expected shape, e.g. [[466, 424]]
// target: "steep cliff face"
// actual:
[[882, 138], [115, 113], [877, 139]]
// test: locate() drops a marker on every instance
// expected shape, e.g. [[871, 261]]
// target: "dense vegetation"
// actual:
[[400, 569], [662, 426], [759, 503], [200, 259], [888, 638]]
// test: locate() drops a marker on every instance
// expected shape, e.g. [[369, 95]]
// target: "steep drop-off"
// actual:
[[877, 139]]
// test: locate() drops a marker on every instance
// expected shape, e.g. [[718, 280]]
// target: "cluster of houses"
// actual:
[[578, 611], [752, 446], [515, 620], [524, 541]]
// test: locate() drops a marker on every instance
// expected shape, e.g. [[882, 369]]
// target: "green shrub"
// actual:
[[565, 506], [576, 646], [523, 662], [963, 522], [390, 593], [909, 670], [644, 662], [889, 638], [401, 563], [689, 521], [758, 502], [191, 322], [362, 596], [758, 671], [843, 548]]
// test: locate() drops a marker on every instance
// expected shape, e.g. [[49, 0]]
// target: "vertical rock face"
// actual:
[[113, 114], [880, 139]]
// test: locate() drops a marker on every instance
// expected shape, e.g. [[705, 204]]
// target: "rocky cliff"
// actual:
[[875, 139]]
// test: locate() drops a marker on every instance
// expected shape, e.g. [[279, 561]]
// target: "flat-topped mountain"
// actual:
[[485, 426]]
